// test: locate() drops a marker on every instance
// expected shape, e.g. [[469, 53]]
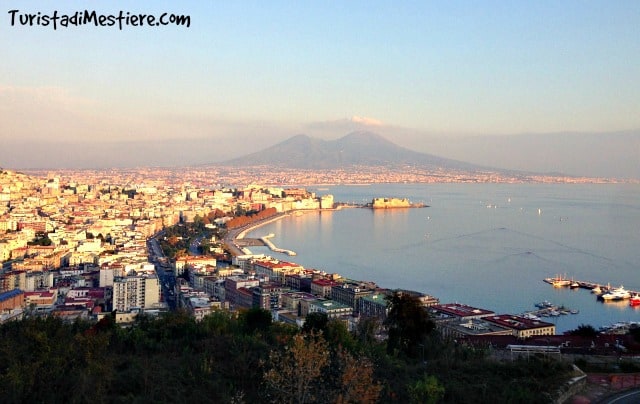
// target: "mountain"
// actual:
[[357, 148]]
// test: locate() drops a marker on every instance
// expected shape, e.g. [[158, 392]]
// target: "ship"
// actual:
[[394, 203], [560, 282], [617, 294]]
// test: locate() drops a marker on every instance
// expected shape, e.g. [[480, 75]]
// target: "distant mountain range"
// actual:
[[357, 148]]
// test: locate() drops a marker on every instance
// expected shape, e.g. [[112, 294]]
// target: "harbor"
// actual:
[[602, 292], [548, 309]]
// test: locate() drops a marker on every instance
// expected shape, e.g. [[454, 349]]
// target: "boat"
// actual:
[[617, 294], [574, 285], [597, 290], [635, 300], [560, 282], [544, 304]]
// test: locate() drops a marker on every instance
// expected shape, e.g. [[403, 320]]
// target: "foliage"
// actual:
[[309, 370], [295, 373], [315, 323], [427, 390], [240, 221], [41, 240], [584, 330], [408, 324], [256, 320], [230, 357]]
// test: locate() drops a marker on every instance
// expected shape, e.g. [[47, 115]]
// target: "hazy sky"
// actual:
[[251, 73]]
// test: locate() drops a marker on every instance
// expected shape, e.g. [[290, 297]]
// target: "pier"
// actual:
[[585, 285], [548, 309], [242, 243], [272, 247]]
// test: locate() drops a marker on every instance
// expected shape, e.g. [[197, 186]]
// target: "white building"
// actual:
[[141, 291]]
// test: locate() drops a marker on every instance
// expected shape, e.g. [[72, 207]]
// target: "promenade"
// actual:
[[239, 233]]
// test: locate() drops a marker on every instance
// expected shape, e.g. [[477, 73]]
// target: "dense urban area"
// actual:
[[137, 284]]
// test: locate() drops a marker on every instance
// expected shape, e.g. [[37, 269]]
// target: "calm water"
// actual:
[[486, 245]]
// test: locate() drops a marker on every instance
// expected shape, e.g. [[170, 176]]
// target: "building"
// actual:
[[522, 327], [11, 300], [292, 301], [472, 328], [326, 202], [44, 299], [373, 305], [138, 291], [349, 293], [233, 283], [322, 287], [457, 312], [331, 308], [276, 270], [267, 295]]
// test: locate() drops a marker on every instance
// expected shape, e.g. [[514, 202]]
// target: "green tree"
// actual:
[[256, 319], [408, 324], [427, 390], [315, 323], [584, 330]]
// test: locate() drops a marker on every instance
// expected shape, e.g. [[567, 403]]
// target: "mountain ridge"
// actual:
[[355, 148]]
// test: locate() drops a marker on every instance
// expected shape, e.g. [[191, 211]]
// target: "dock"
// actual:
[[588, 285], [272, 247], [260, 242]]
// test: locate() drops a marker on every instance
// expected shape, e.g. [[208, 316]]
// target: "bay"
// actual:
[[486, 245]]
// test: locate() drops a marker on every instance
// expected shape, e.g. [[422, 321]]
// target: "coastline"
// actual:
[[240, 233], [236, 234], [253, 226]]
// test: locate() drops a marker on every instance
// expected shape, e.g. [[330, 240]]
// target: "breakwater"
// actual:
[[272, 247]]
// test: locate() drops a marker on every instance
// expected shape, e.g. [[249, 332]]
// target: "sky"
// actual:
[[245, 75]]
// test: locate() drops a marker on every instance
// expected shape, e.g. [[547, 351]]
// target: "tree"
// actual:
[[356, 382], [256, 319], [294, 371], [315, 323], [427, 390], [408, 323], [584, 330]]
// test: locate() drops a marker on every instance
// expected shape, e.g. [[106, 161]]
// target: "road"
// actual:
[[627, 397], [165, 272]]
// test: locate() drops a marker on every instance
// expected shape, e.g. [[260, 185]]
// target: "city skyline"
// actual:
[[244, 76]]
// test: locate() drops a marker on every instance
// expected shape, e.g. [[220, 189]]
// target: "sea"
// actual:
[[485, 245]]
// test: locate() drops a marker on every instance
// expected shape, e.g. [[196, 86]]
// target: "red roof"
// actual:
[[517, 322], [461, 310]]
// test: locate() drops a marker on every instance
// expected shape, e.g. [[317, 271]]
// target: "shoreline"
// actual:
[[253, 226], [239, 234]]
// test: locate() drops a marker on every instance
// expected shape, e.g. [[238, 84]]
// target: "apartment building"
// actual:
[[139, 291]]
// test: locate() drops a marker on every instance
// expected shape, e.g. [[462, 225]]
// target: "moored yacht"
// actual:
[[617, 294]]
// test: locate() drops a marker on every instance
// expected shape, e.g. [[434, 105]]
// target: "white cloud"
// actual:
[[366, 121]]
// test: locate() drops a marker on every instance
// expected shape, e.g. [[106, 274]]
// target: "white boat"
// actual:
[[617, 294], [597, 290], [559, 282]]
